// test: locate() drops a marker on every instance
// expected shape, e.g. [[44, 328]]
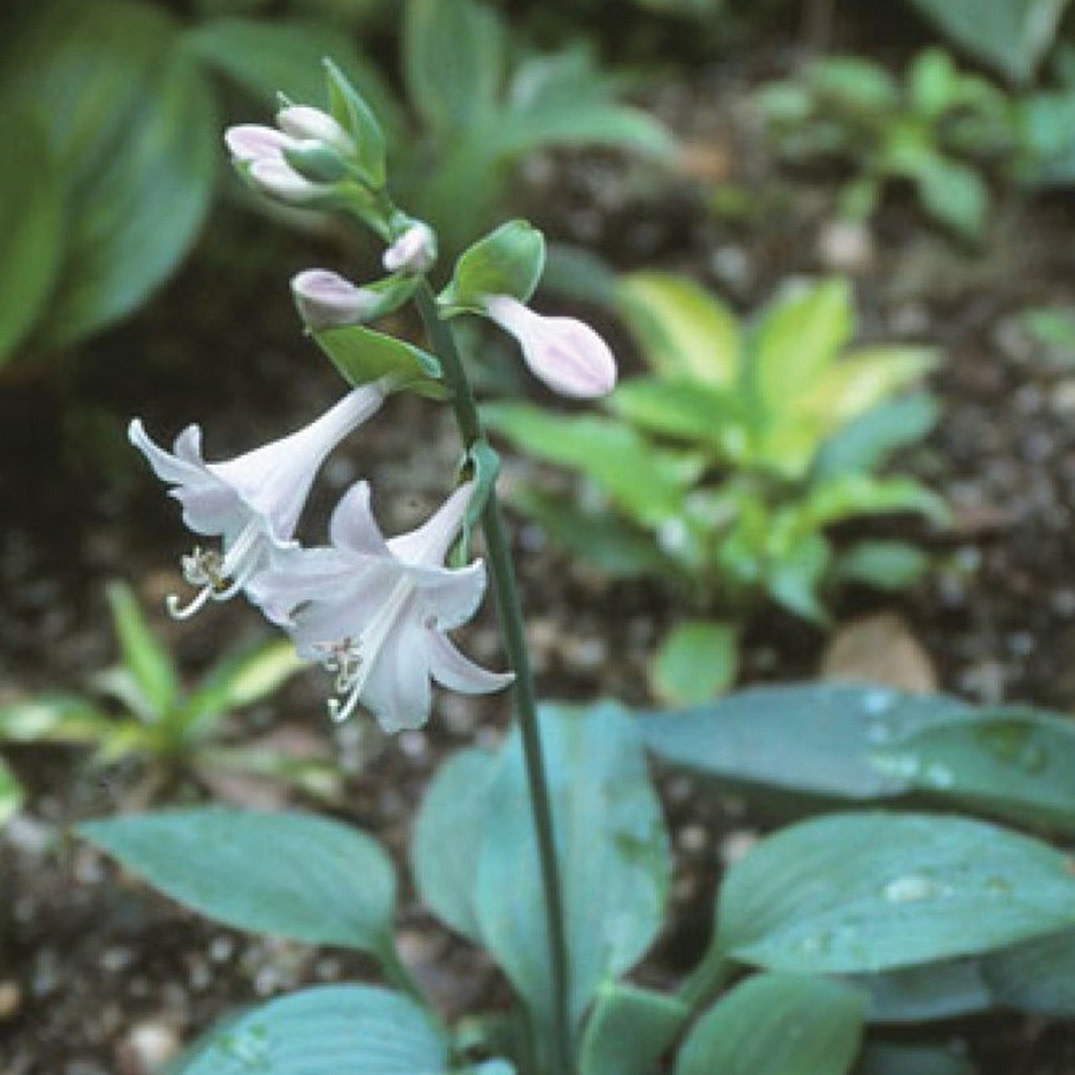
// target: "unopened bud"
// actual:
[[316, 161], [413, 252], [302, 121], [326, 300]]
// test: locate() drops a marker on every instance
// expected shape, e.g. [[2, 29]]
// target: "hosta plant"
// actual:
[[723, 468], [551, 851], [138, 712]]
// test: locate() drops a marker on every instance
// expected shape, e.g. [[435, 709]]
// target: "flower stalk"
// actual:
[[502, 572]]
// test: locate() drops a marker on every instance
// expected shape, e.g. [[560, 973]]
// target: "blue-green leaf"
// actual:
[[777, 1024], [613, 853], [290, 874], [326, 1030], [629, 1030], [696, 661]]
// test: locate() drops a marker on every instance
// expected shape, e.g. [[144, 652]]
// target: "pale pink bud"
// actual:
[[278, 179], [414, 251], [249, 142], [326, 300], [564, 353], [302, 121]]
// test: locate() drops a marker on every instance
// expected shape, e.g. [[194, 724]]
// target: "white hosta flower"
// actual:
[[414, 252], [375, 612], [252, 503], [327, 300], [561, 351], [261, 150]]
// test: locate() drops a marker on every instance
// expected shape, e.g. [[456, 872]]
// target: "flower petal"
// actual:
[[353, 526], [458, 673], [429, 543], [303, 121], [398, 692], [327, 300], [249, 142]]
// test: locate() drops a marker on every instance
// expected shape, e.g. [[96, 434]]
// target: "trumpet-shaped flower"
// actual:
[[252, 503], [564, 353], [375, 612], [327, 300]]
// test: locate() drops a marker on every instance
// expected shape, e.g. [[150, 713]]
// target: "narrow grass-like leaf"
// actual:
[[144, 656]]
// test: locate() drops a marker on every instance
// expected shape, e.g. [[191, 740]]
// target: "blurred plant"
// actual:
[[936, 131], [170, 733], [1011, 36], [113, 118], [722, 469]]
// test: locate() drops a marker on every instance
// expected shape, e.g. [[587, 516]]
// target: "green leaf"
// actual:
[[612, 848], [867, 441], [62, 718], [847, 495], [351, 110], [241, 680], [132, 130], [563, 99], [684, 409], [267, 58], [888, 565], [798, 339], [448, 832], [682, 330], [11, 794], [32, 223], [1013, 763], [1011, 36], [696, 661], [855, 83], [614, 546], [883, 1058], [507, 261], [812, 738], [954, 194], [629, 1030], [1036, 976], [363, 355], [325, 1030], [777, 1024], [929, 991], [647, 482], [849, 893], [453, 59], [149, 663], [289, 874]]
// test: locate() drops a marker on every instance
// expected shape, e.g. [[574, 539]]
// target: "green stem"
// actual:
[[502, 572]]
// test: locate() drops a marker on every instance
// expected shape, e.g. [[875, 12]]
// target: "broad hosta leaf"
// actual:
[[777, 1024], [290, 874], [683, 330], [148, 662], [866, 442], [1011, 36], [285, 56], [11, 794], [629, 1030], [447, 839], [942, 990], [453, 62], [326, 1030], [32, 223], [850, 893], [131, 125], [1011, 762], [811, 738], [696, 661], [882, 1058], [684, 409], [797, 339], [647, 482], [1036, 976], [613, 852], [363, 355]]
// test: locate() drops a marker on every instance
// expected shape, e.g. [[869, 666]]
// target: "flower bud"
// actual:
[[316, 161], [302, 121], [277, 179], [564, 353], [413, 252], [249, 142], [326, 300]]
